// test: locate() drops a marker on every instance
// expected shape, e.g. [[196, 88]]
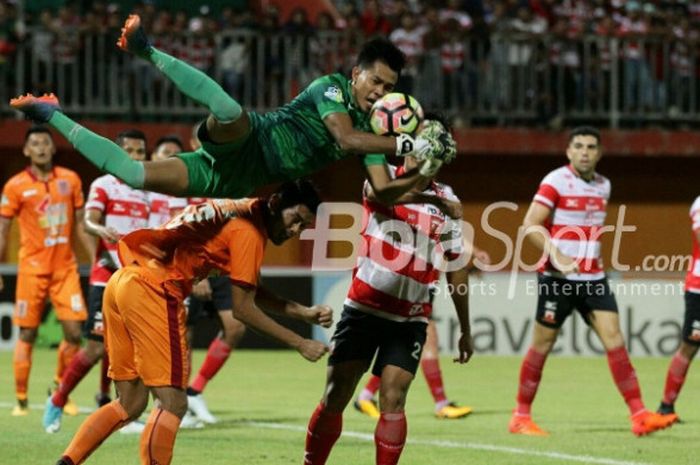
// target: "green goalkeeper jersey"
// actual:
[[294, 138], [283, 144]]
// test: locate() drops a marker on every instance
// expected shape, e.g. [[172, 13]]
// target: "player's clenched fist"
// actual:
[[312, 350], [319, 315]]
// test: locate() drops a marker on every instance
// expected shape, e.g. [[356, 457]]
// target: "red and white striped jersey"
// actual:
[[578, 212], [124, 209], [692, 279], [161, 207], [402, 247]]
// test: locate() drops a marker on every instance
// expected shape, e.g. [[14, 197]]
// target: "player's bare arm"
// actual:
[[451, 208], [272, 303], [84, 238], [351, 140], [94, 224], [458, 282], [537, 234], [4, 232], [248, 312]]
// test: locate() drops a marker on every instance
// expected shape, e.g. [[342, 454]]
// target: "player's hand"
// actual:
[[443, 146], [202, 290], [465, 347], [312, 350], [109, 234], [319, 315]]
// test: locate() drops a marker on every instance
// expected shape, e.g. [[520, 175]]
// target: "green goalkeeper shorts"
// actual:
[[232, 170]]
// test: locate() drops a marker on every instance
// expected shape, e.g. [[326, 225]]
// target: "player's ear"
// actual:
[[355, 73]]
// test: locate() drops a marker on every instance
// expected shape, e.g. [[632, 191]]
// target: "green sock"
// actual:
[[103, 153], [198, 86]]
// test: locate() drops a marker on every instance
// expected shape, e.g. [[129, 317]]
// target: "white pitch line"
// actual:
[[421, 442], [467, 445]]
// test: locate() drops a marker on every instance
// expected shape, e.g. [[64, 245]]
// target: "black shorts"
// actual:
[[93, 328], [359, 336], [221, 299], [557, 298], [691, 322]]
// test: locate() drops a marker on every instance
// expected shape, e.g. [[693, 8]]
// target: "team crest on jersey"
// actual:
[[695, 333], [334, 93], [63, 187], [550, 316]]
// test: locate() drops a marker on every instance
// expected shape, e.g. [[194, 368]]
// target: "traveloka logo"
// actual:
[[334, 93]]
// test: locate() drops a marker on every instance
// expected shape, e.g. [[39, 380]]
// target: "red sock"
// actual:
[[66, 352], [370, 388], [22, 362], [390, 437], [217, 355], [625, 378], [105, 381], [530, 376], [323, 431], [433, 376], [675, 377], [76, 371]]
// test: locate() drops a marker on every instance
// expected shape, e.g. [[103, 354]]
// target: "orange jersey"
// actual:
[[227, 236], [46, 215]]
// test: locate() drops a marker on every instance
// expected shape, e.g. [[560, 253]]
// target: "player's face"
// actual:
[[165, 150], [40, 148], [289, 223], [583, 153], [135, 148], [372, 83]]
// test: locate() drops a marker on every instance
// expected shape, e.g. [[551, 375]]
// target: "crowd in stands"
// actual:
[[456, 37]]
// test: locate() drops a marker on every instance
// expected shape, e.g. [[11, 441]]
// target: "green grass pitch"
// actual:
[[264, 398]]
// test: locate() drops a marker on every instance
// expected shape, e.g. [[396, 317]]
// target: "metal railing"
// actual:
[[505, 79]]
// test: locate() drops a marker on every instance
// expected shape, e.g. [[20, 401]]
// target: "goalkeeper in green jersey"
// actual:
[[243, 150]]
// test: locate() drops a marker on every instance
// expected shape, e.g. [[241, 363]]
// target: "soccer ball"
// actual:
[[395, 114]]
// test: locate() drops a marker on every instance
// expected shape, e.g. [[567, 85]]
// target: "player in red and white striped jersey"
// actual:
[[113, 210], [564, 221], [386, 313], [678, 368], [162, 206]]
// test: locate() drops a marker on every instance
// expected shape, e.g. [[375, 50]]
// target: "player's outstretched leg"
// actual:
[[191, 81], [103, 153]]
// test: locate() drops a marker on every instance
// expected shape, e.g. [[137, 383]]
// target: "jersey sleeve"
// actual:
[[547, 194], [327, 97], [694, 214], [9, 205], [246, 250], [78, 197], [97, 197], [374, 159]]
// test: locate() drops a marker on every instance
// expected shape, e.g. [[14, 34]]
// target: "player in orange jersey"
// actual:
[[47, 201], [145, 316]]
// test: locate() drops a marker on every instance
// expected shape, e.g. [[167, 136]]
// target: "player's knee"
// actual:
[[94, 351], [233, 332], [688, 350], [28, 335], [177, 405], [392, 400], [134, 407]]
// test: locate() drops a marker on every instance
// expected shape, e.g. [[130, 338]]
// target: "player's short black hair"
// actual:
[[170, 138], [437, 116], [37, 129], [299, 191], [584, 131], [381, 49], [130, 134]]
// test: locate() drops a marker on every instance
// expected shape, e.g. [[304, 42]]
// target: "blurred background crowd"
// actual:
[[484, 62]]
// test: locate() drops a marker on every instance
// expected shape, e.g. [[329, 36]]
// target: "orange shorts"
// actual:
[[145, 331], [61, 287]]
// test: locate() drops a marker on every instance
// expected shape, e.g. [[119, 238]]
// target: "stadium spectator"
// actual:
[[144, 314], [48, 202], [373, 20], [386, 314], [409, 39], [678, 368], [113, 210], [562, 222]]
